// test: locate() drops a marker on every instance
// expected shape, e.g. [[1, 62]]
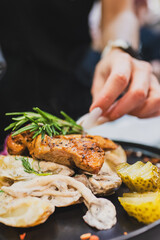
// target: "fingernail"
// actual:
[[90, 119], [97, 111], [102, 120]]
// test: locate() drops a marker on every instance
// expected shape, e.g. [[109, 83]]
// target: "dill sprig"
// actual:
[[41, 122], [29, 169]]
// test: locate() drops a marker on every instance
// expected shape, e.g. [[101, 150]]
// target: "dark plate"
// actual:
[[67, 223]]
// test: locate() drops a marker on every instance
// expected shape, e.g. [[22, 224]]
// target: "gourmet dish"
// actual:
[[53, 163]]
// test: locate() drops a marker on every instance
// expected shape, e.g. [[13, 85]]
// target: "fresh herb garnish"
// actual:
[[1, 191], [29, 169], [41, 122]]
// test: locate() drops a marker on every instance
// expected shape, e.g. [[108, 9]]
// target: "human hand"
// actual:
[[118, 73]]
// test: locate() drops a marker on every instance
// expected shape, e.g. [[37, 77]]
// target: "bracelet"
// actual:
[[123, 45]]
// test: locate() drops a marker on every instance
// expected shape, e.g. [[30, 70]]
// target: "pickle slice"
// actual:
[[140, 177], [145, 207]]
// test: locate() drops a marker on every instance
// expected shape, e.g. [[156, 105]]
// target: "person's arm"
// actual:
[[119, 22], [118, 73]]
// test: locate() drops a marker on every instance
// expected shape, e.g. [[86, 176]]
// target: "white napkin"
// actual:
[[132, 129]]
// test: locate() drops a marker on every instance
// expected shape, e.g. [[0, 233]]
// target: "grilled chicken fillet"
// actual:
[[83, 151]]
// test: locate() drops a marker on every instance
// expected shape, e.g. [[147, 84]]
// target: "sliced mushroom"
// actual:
[[101, 212], [24, 212]]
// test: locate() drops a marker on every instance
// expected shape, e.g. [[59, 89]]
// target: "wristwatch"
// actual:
[[123, 45]]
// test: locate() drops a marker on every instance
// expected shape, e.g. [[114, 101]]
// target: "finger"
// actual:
[[152, 104], [156, 114], [135, 95], [100, 75], [114, 85]]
